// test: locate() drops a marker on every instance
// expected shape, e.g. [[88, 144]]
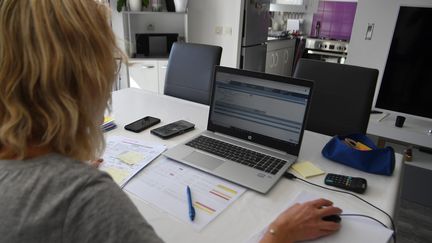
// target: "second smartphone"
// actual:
[[173, 129], [142, 124]]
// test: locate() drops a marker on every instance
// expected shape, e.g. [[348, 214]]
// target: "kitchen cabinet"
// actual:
[[148, 74], [280, 56], [151, 23]]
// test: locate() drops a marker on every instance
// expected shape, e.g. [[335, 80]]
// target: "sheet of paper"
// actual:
[[353, 229], [124, 157], [164, 183], [307, 169]]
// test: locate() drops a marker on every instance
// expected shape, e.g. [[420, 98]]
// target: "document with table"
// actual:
[[164, 186], [159, 190]]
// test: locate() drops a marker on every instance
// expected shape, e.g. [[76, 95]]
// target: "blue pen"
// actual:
[[190, 203]]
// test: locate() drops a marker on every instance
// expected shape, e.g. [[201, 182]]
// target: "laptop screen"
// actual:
[[261, 108]]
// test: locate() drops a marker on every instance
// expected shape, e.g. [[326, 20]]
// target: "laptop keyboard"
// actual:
[[238, 154]]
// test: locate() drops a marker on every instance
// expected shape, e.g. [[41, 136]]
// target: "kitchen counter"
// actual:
[[287, 37], [280, 38]]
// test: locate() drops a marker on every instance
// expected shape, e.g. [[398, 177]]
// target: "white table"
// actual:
[[252, 211], [414, 131]]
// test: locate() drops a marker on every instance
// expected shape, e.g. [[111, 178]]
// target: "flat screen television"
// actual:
[[406, 86]]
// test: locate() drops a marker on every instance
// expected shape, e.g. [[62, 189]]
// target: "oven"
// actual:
[[325, 50]]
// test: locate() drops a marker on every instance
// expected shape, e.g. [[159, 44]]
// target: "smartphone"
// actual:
[[173, 129], [142, 124]]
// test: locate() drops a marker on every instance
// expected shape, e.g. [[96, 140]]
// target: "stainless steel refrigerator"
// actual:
[[256, 20]]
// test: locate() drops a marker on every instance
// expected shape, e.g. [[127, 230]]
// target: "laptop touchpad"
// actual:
[[203, 161]]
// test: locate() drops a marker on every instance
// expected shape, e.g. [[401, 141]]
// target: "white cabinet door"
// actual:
[[280, 57], [285, 71], [279, 67], [275, 62], [272, 62], [269, 62], [162, 66], [144, 75], [287, 62]]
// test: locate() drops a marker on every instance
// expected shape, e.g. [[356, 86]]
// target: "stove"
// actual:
[[326, 50], [327, 45]]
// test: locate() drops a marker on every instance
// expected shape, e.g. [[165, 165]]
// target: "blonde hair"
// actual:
[[57, 69]]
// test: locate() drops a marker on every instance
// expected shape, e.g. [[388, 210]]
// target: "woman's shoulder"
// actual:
[[61, 167]]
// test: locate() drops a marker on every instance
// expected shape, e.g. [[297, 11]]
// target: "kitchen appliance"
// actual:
[[326, 50], [154, 44], [256, 20]]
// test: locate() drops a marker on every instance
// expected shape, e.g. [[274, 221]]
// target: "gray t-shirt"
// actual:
[[56, 199]]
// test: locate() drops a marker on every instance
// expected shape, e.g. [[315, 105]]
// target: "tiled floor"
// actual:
[[414, 223]]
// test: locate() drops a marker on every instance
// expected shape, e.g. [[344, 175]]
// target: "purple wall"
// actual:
[[336, 19]]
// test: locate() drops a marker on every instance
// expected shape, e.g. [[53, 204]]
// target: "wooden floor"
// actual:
[[414, 223]]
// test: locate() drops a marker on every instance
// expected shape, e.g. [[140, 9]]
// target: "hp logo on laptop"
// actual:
[[250, 137]]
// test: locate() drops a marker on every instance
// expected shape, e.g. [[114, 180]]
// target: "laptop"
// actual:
[[254, 131]]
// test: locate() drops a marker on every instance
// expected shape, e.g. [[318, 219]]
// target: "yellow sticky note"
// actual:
[[307, 169], [108, 119], [130, 157], [117, 174]]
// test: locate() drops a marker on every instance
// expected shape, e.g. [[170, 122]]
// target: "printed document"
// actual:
[[164, 184], [353, 229], [124, 157]]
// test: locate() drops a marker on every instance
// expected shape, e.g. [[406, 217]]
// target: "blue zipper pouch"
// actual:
[[343, 149]]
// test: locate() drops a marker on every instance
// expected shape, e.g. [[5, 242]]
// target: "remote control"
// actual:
[[355, 184]]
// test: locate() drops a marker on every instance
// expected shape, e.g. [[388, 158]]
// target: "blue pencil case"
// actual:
[[365, 157]]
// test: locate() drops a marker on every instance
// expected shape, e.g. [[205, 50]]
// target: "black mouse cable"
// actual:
[[292, 177], [365, 216]]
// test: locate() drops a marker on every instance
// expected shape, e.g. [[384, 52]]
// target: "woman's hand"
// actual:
[[303, 222]]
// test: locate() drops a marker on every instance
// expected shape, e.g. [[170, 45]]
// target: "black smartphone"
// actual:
[[142, 124], [173, 129]]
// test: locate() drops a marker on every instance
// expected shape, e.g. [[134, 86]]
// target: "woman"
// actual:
[[56, 72]]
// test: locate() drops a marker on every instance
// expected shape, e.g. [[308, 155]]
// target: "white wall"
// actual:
[[206, 16], [383, 13], [311, 8], [117, 26]]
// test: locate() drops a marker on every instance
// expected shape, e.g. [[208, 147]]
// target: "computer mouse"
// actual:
[[335, 218]]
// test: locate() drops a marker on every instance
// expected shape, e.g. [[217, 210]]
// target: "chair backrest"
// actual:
[[342, 96], [190, 71]]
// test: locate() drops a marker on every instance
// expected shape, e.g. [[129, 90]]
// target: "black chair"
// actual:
[[190, 71], [342, 97]]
